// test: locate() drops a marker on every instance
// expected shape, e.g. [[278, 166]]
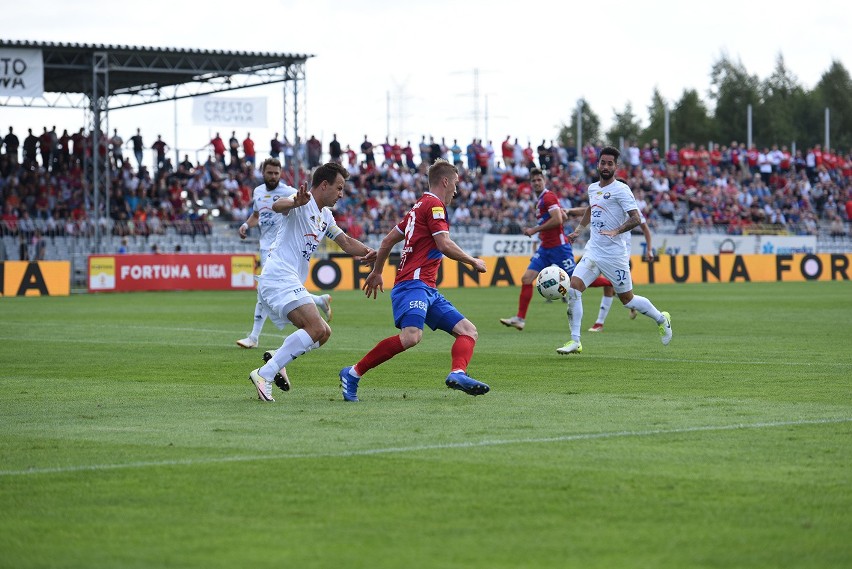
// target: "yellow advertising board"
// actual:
[[343, 273], [37, 278]]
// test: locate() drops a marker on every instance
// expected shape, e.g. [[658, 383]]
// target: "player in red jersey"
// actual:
[[415, 297], [554, 248]]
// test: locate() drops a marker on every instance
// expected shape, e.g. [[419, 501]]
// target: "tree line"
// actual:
[[783, 111]]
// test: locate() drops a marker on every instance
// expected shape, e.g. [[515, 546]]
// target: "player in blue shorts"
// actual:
[[554, 249], [415, 297]]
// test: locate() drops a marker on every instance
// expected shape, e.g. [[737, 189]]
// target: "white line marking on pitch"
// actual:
[[446, 446], [721, 362]]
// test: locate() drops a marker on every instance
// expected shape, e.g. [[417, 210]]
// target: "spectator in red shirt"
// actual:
[[752, 158], [248, 150], [715, 158], [218, 148], [686, 156], [9, 221], [508, 151]]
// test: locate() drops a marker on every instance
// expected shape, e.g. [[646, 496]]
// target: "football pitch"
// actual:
[[131, 437]]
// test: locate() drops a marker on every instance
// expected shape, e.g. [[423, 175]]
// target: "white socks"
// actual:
[[606, 304], [644, 306], [259, 319], [575, 312], [296, 344]]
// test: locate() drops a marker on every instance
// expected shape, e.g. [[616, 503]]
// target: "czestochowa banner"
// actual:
[[21, 72], [229, 111]]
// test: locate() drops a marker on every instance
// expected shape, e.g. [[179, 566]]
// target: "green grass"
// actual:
[[131, 437]]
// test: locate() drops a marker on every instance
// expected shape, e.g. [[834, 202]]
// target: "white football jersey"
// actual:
[[608, 207], [268, 220], [299, 235]]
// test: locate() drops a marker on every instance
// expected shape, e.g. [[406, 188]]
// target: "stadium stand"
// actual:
[[45, 211]]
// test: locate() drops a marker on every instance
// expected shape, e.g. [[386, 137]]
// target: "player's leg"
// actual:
[[619, 273], [646, 307], [323, 302], [567, 262], [444, 316], [312, 332], [410, 301], [527, 279], [606, 302], [259, 318], [260, 315], [585, 273]]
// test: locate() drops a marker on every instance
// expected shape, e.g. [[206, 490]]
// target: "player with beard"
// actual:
[[266, 194], [612, 213]]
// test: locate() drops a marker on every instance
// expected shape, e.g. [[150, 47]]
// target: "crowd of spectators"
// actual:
[[45, 184]]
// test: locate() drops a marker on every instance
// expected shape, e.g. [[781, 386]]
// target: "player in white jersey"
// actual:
[[612, 213], [306, 220], [608, 291], [262, 216]]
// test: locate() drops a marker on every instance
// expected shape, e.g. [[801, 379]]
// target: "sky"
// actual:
[[407, 69]]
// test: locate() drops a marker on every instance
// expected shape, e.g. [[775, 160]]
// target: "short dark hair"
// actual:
[[328, 173], [611, 151], [536, 172], [270, 162], [439, 169]]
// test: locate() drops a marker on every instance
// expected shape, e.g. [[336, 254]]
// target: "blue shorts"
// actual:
[[416, 304], [562, 256]]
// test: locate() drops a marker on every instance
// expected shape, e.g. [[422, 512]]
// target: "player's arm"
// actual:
[[355, 248], [633, 220], [587, 217], [374, 281], [252, 221], [571, 212], [300, 198], [555, 220], [449, 248]]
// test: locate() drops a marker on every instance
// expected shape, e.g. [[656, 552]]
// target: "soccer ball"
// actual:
[[552, 283]]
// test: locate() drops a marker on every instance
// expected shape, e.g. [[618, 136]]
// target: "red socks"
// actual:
[[462, 352], [384, 350], [524, 300]]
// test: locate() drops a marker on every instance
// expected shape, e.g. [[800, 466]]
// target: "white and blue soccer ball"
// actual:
[[552, 283]]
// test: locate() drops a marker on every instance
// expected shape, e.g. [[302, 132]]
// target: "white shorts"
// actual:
[[617, 270], [279, 298]]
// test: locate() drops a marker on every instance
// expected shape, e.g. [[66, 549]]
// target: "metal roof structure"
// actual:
[[100, 78], [134, 75]]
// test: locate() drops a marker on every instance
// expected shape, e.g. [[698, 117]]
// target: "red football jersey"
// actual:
[[553, 237], [420, 256]]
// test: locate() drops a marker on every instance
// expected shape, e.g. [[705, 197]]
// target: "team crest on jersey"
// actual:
[[437, 213], [607, 196], [275, 198], [319, 223]]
